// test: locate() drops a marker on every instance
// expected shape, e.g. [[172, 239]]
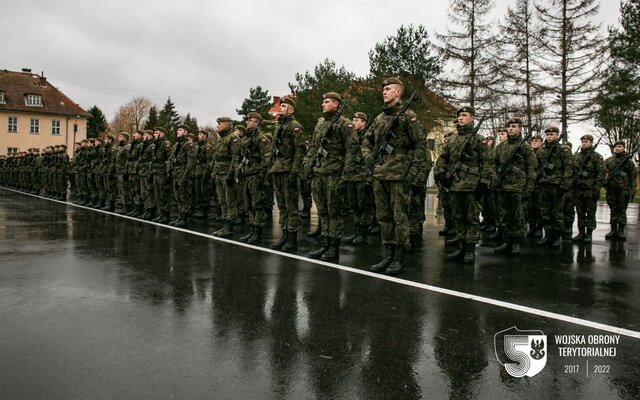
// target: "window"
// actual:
[[55, 127], [12, 150], [12, 126], [34, 126], [33, 100], [3, 100]]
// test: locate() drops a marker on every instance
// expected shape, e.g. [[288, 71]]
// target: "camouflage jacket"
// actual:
[[122, 158], [225, 154], [204, 157], [558, 167], [356, 171], [625, 176], [466, 160], [340, 146], [112, 155], [146, 157], [518, 174], [288, 143], [591, 177], [133, 163], [255, 155], [183, 158], [163, 150], [407, 161]]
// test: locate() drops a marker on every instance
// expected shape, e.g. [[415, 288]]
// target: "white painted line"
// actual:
[[423, 286]]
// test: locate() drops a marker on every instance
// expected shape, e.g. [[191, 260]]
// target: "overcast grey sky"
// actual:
[[204, 54]]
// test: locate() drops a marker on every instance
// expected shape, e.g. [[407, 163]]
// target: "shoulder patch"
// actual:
[[349, 126], [263, 140], [296, 129], [413, 119]]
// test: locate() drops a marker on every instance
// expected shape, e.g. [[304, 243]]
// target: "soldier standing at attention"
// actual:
[[146, 178], [255, 160], [464, 166], [110, 177], [515, 164], [183, 159], [533, 204], [359, 189], [286, 153], [398, 169], [621, 188], [133, 168], [202, 182], [554, 180], [225, 158], [121, 171], [161, 172], [588, 177], [332, 146]]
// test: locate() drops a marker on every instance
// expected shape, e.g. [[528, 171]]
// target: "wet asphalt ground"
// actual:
[[98, 306]]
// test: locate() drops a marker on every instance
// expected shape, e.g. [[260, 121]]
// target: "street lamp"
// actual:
[[75, 129]]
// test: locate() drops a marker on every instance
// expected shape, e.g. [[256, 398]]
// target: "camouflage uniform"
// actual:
[[111, 178], [160, 171], [621, 188], [147, 194], [124, 195], [133, 184], [225, 161], [418, 195], [586, 190], [202, 182], [183, 159]]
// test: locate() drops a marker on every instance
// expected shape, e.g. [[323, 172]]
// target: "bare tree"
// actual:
[[131, 116]]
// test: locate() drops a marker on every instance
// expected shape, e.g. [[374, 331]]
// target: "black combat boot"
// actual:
[[546, 240], [612, 233], [621, 234], [389, 252], [515, 247], [333, 252], [226, 231], [349, 239], [324, 246], [374, 229], [148, 214], [504, 248], [361, 237], [397, 265], [557, 239], [580, 236], [256, 238], [315, 233], [497, 235], [469, 253], [413, 239], [182, 220], [164, 217], [453, 241], [566, 233], [588, 236], [278, 245], [245, 238], [199, 213], [457, 253], [292, 242]]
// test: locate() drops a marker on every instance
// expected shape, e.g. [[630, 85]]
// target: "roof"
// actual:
[[16, 85]]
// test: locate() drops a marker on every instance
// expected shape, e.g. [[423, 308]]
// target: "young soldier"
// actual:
[[287, 153], [464, 166], [588, 178], [621, 187], [397, 170], [225, 156], [146, 176], [183, 159], [515, 164], [202, 182], [534, 218], [133, 168], [330, 146], [121, 171]]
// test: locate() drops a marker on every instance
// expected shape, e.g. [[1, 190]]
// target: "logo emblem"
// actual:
[[523, 353]]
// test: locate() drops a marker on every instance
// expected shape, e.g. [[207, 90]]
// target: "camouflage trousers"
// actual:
[[61, 182], [162, 193], [465, 211], [306, 193], [568, 213], [286, 190], [254, 198], [326, 194], [99, 179], [182, 190], [146, 192], [533, 208], [489, 208], [123, 192], [618, 201], [511, 211], [202, 190], [134, 189], [392, 207], [586, 203], [111, 187], [227, 196], [360, 200], [239, 189], [417, 216], [552, 200], [444, 198]]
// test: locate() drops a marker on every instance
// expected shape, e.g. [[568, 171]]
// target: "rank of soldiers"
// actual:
[[374, 170]]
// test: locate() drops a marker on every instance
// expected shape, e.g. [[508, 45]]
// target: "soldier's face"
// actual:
[[202, 137], [618, 148], [359, 123], [535, 144], [464, 119], [514, 129], [585, 144], [391, 93], [252, 123], [223, 126], [285, 109], [552, 136], [181, 132], [329, 105], [502, 136]]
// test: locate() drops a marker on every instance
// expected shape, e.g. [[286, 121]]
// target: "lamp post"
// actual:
[[75, 129]]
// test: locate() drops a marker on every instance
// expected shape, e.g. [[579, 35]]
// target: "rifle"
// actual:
[[321, 152], [462, 153], [581, 172], [172, 162], [275, 150], [508, 165], [245, 158], [382, 146], [616, 169], [545, 163]]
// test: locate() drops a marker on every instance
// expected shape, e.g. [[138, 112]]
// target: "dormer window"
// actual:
[[33, 100], [3, 99]]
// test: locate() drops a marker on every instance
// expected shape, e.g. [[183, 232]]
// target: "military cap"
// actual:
[[491, 138], [620, 142], [255, 115], [537, 137], [110, 136], [125, 134], [514, 120], [391, 81], [160, 129], [189, 135], [223, 119], [90, 140], [288, 100], [332, 95], [139, 132], [204, 132], [241, 128], [466, 109], [149, 131], [587, 137], [99, 140], [502, 129], [183, 126], [552, 128], [360, 115], [481, 138], [64, 146]]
